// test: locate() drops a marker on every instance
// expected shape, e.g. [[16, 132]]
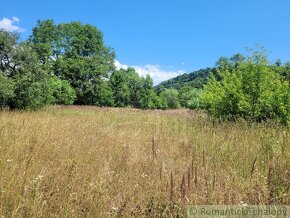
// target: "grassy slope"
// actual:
[[98, 162]]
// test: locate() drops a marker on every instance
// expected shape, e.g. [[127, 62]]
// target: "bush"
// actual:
[[61, 91], [253, 91], [104, 94], [190, 97], [169, 98], [29, 94]]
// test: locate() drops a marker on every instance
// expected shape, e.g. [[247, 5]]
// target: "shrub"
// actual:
[[61, 91], [190, 97], [254, 91], [170, 98]]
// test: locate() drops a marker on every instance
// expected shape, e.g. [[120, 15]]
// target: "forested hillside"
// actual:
[[196, 79]]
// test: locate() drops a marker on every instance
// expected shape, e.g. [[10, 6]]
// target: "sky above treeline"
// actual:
[[166, 38]]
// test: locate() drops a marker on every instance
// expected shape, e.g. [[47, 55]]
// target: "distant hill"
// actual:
[[195, 79]]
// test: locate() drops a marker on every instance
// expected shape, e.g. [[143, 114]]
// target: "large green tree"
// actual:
[[147, 94], [129, 89], [121, 91], [26, 82], [77, 53], [26, 79]]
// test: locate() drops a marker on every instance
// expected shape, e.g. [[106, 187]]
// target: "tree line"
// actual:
[[69, 63]]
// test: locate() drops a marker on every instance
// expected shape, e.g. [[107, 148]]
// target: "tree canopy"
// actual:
[[76, 53], [129, 89]]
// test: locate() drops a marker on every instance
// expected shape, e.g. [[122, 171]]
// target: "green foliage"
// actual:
[[121, 91], [190, 97], [30, 94], [70, 63], [6, 90], [283, 70], [43, 37], [24, 82], [195, 79], [104, 94], [129, 89], [253, 91], [76, 52], [62, 92], [147, 94], [132, 84], [8, 50], [32, 82], [169, 99]]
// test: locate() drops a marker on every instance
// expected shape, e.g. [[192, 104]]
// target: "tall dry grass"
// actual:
[[99, 162]]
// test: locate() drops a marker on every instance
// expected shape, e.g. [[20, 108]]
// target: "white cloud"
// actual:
[[10, 24], [15, 19], [155, 71], [118, 65]]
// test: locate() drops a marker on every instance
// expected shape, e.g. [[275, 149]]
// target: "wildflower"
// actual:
[[243, 204], [38, 178], [115, 208], [143, 175]]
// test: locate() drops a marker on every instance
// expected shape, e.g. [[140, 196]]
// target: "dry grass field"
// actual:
[[106, 162]]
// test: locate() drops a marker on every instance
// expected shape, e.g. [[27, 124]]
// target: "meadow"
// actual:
[[111, 162]]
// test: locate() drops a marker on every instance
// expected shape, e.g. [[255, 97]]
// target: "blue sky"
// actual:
[[166, 38]]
